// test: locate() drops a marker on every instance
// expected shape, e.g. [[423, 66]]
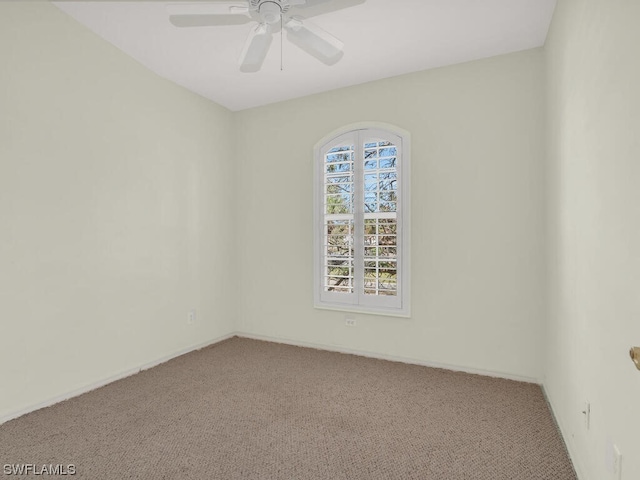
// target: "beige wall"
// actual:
[[115, 208], [478, 215], [126, 201], [593, 66]]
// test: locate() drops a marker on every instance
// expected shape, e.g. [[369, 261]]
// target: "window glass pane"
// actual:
[[371, 182], [387, 206], [342, 148], [388, 152], [371, 203], [340, 179], [388, 181], [339, 167], [339, 204], [337, 188], [388, 162], [370, 164]]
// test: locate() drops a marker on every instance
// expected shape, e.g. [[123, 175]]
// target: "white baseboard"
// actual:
[[578, 465], [110, 379], [393, 358]]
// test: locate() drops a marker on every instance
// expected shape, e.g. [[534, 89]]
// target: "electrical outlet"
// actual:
[[191, 317], [350, 322]]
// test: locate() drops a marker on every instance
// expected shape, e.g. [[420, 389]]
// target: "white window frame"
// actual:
[[400, 305]]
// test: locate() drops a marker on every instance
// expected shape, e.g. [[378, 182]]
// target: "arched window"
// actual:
[[362, 220]]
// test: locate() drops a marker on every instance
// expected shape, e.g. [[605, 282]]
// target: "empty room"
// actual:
[[320, 239]]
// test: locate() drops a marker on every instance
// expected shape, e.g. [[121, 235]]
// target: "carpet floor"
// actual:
[[247, 409]]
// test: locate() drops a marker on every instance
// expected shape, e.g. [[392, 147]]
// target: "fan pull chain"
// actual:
[[281, 28]]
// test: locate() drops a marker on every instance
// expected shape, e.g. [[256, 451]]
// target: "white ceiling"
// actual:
[[383, 38]]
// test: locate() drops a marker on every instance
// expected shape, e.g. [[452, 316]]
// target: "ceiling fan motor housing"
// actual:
[[270, 11]]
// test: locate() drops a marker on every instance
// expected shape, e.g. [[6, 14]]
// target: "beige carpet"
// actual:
[[245, 409]]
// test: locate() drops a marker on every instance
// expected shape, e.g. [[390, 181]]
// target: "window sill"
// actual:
[[398, 313]]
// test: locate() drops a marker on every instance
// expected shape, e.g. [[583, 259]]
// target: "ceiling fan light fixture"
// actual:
[[270, 12]]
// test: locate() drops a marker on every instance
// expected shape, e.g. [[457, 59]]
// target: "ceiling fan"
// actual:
[[271, 16]]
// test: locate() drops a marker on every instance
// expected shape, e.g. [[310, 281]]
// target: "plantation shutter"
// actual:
[[338, 228], [361, 221]]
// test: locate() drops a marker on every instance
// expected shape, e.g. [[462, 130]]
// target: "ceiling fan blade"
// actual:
[[313, 8], [208, 14], [256, 48], [208, 20], [239, 7], [314, 40]]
